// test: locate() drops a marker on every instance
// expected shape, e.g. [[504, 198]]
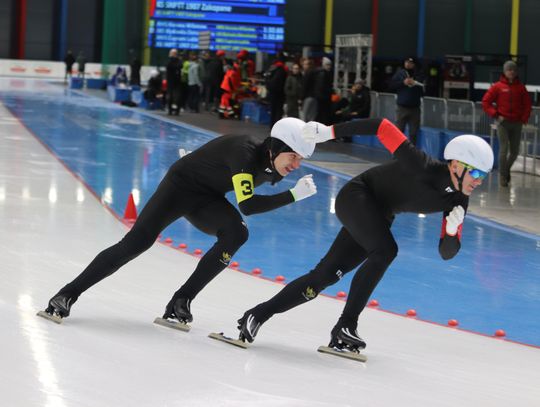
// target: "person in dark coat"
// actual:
[[173, 82], [276, 76], [408, 84], [293, 91], [323, 92], [69, 60], [135, 72]]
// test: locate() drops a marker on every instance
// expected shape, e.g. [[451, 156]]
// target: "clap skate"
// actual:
[[345, 342], [58, 309], [248, 327], [177, 316]]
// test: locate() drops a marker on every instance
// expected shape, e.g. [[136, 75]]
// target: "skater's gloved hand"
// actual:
[[454, 219], [182, 152], [305, 187], [317, 130]]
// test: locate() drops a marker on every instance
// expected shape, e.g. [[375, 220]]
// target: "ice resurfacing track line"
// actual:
[[174, 325], [226, 339], [343, 353]]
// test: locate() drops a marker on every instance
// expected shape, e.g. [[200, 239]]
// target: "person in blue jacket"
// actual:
[[409, 87]]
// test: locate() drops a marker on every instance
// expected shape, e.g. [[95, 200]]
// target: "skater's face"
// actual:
[[471, 180], [285, 163]]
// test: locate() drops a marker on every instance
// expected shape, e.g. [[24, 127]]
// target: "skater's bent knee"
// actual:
[[235, 234]]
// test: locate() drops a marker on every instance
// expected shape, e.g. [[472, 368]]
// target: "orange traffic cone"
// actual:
[[130, 214]]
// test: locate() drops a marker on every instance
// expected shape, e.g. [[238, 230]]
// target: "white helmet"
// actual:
[[471, 150], [289, 130]]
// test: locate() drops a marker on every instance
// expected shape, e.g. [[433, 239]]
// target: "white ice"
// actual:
[[109, 353]]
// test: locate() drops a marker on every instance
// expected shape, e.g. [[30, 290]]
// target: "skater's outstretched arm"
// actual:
[[388, 134], [251, 203]]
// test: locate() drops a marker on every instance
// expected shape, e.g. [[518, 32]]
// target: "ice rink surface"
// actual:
[[108, 353]]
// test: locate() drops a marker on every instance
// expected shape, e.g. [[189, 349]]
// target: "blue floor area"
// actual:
[[493, 283]]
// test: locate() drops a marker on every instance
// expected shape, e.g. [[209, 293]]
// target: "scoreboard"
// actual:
[[254, 25]]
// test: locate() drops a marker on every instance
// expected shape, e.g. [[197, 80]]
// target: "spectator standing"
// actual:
[[275, 80], [293, 91], [81, 62], [230, 85], [135, 72], [173, 82], [194, 83], [309, 102], [184, 86], [508, 102], [215, 74], [408, 84], [69, 60], [323, 92]]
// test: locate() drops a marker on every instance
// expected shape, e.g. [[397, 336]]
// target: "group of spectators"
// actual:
[[306, 91], [506, 101], [302, 89], [198, 78], [70, 60]]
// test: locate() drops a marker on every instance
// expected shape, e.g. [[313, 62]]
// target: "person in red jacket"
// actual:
[[230, 85], [508, 102]]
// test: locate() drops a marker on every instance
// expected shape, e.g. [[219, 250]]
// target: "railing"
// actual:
[[434, 113], [457, 115]]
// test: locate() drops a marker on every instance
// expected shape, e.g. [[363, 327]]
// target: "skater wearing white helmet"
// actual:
[[366, 206], [195, 188]]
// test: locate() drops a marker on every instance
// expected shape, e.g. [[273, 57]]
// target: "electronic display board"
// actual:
[[254, 25]]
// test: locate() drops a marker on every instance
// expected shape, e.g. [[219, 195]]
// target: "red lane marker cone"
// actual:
[[256, 271], [373, 303], [341, 294], [182, 246], [197, 251], [280, 278], [168, 240], [234, 264], [453, 322], [499, 333], [130, 214], [411, 313]]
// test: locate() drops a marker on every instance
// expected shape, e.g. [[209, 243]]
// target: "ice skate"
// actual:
[[58, 309], [346, 337], [345, 342], [227, 339], [177, 316], [248, 327]]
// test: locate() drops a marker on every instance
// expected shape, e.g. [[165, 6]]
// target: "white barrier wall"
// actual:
[[35, 69], [56, 70]]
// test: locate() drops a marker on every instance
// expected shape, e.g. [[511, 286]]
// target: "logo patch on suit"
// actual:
[[309, 294], [225, 258]]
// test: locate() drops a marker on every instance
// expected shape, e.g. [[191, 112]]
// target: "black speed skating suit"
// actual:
[[366, 206], [194, 187]]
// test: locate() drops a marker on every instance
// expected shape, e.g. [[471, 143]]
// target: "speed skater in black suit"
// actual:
[[195, 188], [366, 206]]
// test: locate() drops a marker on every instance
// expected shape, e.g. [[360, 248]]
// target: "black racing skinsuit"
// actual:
[[366, 205], [194, 187]]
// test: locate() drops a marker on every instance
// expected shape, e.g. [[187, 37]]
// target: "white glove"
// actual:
[[182, 152], [454, 219], [304, 188], [317, 130]]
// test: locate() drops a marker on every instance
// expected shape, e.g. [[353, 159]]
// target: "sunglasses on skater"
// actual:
[[475, 173]]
